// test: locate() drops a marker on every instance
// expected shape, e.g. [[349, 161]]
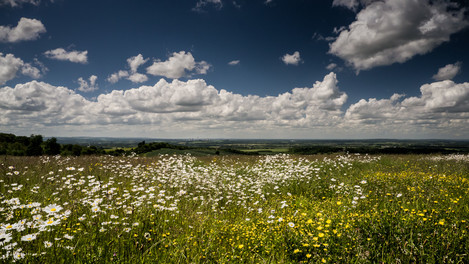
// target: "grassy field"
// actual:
[[235, 209]]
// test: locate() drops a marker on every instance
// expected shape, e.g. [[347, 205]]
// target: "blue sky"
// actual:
[[235, 68]]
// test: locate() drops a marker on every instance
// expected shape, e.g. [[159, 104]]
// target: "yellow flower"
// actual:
[[308, 255], [240, 246], [339, 203]]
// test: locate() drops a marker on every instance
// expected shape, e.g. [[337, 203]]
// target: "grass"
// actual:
[[235, 209]]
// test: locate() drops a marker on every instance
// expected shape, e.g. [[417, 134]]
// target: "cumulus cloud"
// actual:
[[138, 78], [11, 65], [193, 102], [115, 77], [201, 4], [331, 66], [234, 62], [72, 56], [32, 102], [195, 108], [448, 72], [15, 3], [27, 29], [86, 86], [293, 59], [394, 31], [180, 64], [442, 109], [135, 62], [350, 4], [132, 75]]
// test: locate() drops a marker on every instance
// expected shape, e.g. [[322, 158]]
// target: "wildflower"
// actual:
[[52, 209], [17, 255], [240, 246], [291, 224], [51, 222], [29, 237], [69, 237], [5, 238], [399, 195], [47, 244]]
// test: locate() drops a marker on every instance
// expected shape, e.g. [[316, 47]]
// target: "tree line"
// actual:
[[35, 145]]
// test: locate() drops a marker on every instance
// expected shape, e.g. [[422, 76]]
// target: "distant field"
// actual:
[[235, 209], [267, 150]]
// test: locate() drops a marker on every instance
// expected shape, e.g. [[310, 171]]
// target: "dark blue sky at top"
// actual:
[[255, 33]]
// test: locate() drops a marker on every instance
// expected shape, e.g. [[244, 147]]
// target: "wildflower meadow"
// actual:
[[235, 209]]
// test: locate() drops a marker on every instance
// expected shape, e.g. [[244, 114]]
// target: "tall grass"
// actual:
[[270, 209]]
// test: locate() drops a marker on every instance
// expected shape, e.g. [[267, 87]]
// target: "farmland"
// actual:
[[281, 208]]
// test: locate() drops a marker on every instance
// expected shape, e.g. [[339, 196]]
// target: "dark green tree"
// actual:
[[34, 148], [51, 147]]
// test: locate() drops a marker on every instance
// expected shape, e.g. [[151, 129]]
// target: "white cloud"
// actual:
[[138, 78], [115, 77], [198, 105], [10, 66], [293, 59], [40, 102], [394, 31], [441, 110], [86, 86], [234, 62], [331, 66], [202, 3], [15, 3], [177, 66], [135, 62], [31, 71], [448, 72], [350, 4], [193, 108], [72, 56], [27, 29]]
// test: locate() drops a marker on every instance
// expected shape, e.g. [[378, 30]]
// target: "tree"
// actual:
[[51, 147], [34, 148]]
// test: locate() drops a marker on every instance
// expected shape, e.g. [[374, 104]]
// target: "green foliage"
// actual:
[[235, 209], [51, 147], [34, 147]]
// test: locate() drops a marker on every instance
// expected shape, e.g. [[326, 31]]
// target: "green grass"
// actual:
[[235, 209], [266, 150]]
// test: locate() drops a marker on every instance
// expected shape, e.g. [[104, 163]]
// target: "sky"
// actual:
[[296, 69]]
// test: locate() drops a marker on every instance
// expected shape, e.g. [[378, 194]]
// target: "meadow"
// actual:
[[235, 209]]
